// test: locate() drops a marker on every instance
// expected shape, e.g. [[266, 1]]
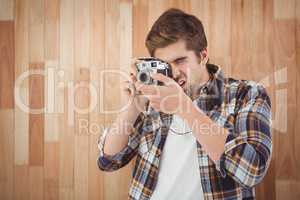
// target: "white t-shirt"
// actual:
[[179, 176]]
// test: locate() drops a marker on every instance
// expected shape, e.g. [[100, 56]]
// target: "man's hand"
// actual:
[[137, 102], [169, 98]]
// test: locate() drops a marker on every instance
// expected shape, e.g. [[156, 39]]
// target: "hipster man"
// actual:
[[206, 136]]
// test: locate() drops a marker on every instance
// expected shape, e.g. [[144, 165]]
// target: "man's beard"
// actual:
[[187, 87], [192, 84], [189, 90], [192, 89]]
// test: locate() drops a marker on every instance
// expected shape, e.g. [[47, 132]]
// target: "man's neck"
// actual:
[[193, 90]]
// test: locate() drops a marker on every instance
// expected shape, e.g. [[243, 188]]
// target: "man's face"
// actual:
[[187, 69]]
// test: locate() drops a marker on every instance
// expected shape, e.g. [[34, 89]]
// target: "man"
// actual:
[[207, 137]]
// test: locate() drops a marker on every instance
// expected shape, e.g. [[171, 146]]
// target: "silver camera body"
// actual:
[[146, 66]]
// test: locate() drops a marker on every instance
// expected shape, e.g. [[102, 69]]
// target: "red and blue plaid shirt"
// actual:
[[242, 107]]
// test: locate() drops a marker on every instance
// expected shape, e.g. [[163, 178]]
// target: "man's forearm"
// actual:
[[208, 133], [117, 137]]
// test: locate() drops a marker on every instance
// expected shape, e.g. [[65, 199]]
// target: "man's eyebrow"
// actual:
[[180, 58]]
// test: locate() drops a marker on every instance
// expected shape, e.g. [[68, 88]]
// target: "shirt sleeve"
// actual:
[[113, 162], [248, 146]]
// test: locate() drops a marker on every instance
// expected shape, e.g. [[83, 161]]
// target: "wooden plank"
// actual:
[[81, 96], [201, 10], [21, 65], [155, 9], [242, 24], [140, 26], [52, 30], [66, 193], [67, 38], [219, 20], [267, 188], [66, 155], [36, 31], [82, 36], [7, 64], [96, 118], [66, 125], [216, 19], [6, 10], [126, 18], [7, 154], [36, 82], [287, 189], [52, 65], [285, 140], [81, 147], [21, 182], [111, 86], [285, 57], [112, 51], [36, 120], [297, 139], [284, 9], [36, 183], [51, 171], [181, 4]]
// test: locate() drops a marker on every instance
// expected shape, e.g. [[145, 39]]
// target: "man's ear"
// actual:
[[204, 55]]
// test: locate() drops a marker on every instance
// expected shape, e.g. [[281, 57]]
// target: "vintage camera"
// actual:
[[145, 66]]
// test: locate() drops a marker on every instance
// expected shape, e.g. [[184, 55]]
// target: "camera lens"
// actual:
[[143, 77]]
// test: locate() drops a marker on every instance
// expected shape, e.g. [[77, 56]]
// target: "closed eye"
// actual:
[[180, 60]]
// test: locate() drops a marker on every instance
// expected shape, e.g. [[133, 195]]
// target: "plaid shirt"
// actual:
[[242, 107]]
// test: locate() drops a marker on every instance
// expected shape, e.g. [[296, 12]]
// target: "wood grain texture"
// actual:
[[36, 30], [285, 57], [21, 65], [21, 182], [53, 100], [36, 182], [140, 19], [111, 84], [66, 125], [297, 139], [126, 18], [81, 142], [7, 154], [52, 14], [36, 116], [7, 63], [51, 171], [81, 96], [6, 10], [51, 156], [96, 119], [36, 82]]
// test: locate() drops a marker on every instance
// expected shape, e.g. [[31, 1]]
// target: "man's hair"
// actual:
[[174, 25]]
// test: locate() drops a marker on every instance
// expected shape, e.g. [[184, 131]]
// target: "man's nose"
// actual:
[[175, 71]]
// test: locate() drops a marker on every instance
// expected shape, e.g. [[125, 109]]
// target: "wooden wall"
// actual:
[[48, 155]]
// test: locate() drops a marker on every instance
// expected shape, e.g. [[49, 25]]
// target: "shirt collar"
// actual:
[[210, 95]]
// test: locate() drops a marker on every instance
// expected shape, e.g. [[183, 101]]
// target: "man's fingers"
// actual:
[[162, 78], [133, 77], [152, 98], [128, 86], [147, 89], [133, 69], [155, 105]]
